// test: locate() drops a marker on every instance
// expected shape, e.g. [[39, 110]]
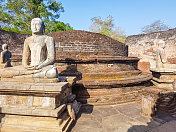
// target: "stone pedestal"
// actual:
[[39, 107], [148, 106], [163, 78], [157, 100]]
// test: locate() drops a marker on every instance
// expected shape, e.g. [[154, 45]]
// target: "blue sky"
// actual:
[[129, 15]]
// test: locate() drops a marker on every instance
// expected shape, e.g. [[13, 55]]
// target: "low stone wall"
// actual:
[[157, 100], [141, 46]]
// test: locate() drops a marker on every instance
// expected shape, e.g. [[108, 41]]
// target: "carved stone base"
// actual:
[[19, 123], [163, 78], [36, 107]]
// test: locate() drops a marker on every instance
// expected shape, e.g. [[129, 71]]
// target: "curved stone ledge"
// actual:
[[110, 83], [100, 91]]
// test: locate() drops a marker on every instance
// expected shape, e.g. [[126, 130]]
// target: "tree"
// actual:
[[155, 27], [53, 26], [107, 28], [15, 15]]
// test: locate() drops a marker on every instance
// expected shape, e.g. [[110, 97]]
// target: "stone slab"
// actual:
[[22, 79], [130, 110], [32, 88], [126, 118], [163, 78], [167, 127], [31, 111], [162, 85], [162, 70], [16, 123]]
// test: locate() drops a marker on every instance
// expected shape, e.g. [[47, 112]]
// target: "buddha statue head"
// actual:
[[37, 26], [161, 44], [4, 47]]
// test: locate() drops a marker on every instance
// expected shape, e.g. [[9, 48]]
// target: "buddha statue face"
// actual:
[[161, 44], [4, 47], [37, 26]]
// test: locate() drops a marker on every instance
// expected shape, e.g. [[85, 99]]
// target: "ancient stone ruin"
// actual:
[[157, 55], [90, 68], [105, 73], [145, 42], [32, 98]]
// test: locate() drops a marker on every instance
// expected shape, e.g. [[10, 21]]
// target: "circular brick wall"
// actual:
[[78, 44], [73, 44]]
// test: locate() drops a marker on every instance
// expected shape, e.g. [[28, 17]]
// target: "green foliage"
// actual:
[[57, 26], [16, 15], [107, 28], [155, 27]]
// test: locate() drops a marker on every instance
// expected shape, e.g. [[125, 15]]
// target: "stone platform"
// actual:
[[110, 88], [163, 78], [40, 107]]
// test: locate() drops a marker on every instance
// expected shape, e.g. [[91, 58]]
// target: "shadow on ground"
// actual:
[[161, 122], [86, 110], [163, 117], [123, 118]]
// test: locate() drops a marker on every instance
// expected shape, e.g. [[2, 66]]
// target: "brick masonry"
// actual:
[[141, 46], [69, 44], [82, 44], [15, 42]]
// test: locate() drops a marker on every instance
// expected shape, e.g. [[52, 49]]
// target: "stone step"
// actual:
[[16, 123]]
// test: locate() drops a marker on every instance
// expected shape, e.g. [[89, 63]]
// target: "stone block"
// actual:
[[2, 100], [22, 100], [148, 106], [144, 66], [23, 79], [47, 89], [18, 123], [11, 100], [163, 78], [37, 102], [32, 111]]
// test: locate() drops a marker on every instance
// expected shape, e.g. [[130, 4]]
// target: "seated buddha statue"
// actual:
[[161, 60], [5, 57], [38, 55], [41, 50]]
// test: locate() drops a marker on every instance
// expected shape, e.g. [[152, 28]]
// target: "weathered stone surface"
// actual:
[[30, 96], [18, 123], [82, 44], [119, 118], [163, 78], [167, 127], [37, 99], [87, 125], [113, 80], [14, 40], [42, 103], [131, 110], [33, 111], [33, 87], [70, 44], [119, 123], [157, 100], [148, 106], [145, 43]]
